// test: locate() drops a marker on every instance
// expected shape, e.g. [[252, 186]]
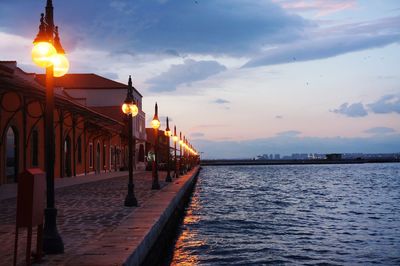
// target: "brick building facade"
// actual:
[[90, 131]]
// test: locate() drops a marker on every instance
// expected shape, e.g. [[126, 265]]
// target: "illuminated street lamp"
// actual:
[[180, 153], [129, 107], [168, 135], [175, 139], [184, 154], [48, 53], [155, 123]]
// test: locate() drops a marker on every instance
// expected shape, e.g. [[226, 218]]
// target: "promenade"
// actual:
[[90, 209]]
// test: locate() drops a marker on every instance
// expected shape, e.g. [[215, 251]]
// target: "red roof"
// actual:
[[114, 112], [84, 81]]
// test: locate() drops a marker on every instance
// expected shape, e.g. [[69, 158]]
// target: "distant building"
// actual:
[[277, 157], [299, 156], [334, 156]]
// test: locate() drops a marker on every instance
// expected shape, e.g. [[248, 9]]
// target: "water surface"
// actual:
[[291, 215]]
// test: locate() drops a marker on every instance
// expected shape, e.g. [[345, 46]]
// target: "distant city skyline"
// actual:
[[239, 78]]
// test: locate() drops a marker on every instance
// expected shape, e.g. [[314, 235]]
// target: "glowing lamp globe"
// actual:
[[175, 138], [167, 133], [134, 109], [60, 64], [126, 108], [130, 108], [181, 142], [42, 54], [155, 123]]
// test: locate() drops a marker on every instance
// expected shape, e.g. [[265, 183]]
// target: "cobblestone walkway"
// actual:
[[85, 213]]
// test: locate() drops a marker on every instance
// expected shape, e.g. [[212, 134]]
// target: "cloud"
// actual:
[[197, 135], [380, 130], [110, 75], [11, 43], [321, 48], [352, 110], [239, 29], [386, 104], [221, 101], [323, 7], [184, 74], [341, 39], [289, 133], [389, 143], [208, 126], [172, 52], [233, 27]]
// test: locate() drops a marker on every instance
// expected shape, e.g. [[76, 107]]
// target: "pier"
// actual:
[[97, 228]]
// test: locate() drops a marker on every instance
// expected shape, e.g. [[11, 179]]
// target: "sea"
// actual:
[[292, 215]]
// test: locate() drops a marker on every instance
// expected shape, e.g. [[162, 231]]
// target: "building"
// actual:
[[162, 145], [90, 131], [334, 156]]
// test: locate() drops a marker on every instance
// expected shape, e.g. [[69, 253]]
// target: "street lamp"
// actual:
[[129, 107], [48, 53], [168, 135], [175, 139], [180, 153], [155, 123], [184, 154]]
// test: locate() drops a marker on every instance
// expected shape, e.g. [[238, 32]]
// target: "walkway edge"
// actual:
[[141, 252]]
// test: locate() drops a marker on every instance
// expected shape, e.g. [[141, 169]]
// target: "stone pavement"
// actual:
[[8, 191], [86, 211]]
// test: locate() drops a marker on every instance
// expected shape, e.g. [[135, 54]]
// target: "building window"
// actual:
[[79, 143], [35, 148], [12, 149], [90, 155]]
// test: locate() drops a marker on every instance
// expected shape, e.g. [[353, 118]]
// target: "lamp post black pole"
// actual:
[[156, 184], [52, 241], [184, 155], [130, 199], [180, 154], [176, 159], [168, 177]]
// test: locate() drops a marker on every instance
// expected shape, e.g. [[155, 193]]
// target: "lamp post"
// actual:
[[175, 139], [48, 53], [184, 155], [155, 123], [168, 135], [180, 153], [129, 107]]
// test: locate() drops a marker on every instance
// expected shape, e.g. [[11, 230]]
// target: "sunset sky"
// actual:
[[239, 77]]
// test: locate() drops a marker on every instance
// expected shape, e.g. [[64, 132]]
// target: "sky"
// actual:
[[239, 77]]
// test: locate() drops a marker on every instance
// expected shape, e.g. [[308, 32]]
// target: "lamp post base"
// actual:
[[168, 178], [130, 199], [52, 241], [155, 185]]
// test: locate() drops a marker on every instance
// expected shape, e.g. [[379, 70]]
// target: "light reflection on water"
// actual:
[[188, 238], [310, 215]]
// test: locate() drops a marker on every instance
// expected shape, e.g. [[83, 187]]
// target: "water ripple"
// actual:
[[293, 215]]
